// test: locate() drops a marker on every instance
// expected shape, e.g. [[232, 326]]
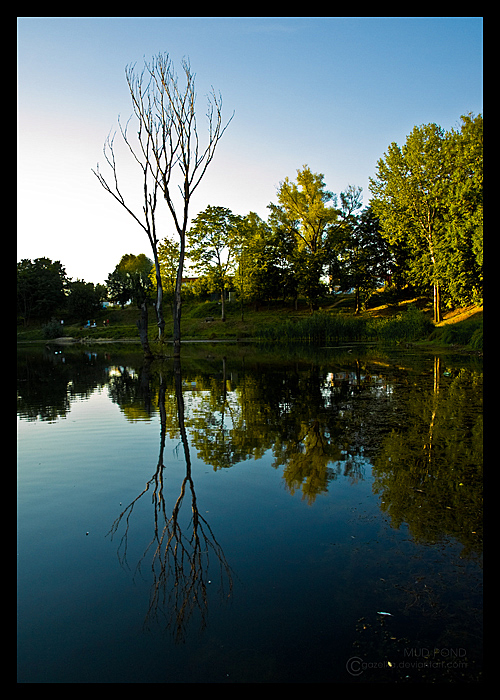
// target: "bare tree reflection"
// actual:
[[180, 554]]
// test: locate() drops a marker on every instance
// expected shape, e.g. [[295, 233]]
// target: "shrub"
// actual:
[[320, 327], [207, 308], [410, 325], [465, 333], [52, 329], [476, 342]]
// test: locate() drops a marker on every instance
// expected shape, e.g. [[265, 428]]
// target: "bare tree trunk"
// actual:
[[159, 298], [142, 325], [177, 305]]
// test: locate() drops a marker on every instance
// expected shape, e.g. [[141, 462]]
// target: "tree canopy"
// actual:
[[428, 197], [211, 240], [131, 280], [41, 286]]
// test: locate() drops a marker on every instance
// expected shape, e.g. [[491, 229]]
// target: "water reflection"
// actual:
[[417, 421], [179, 553], [405, 430], [429, 470]]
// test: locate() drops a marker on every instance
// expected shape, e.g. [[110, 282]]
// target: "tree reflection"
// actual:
[[414, 420], [429, 471], [180, 553], [305, 460], [47, 384]]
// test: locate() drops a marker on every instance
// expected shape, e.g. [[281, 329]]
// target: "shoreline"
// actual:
[[423, 346]]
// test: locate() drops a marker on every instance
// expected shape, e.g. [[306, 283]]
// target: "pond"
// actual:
[[249, 515]]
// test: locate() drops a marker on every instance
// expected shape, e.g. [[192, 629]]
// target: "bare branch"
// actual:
[[168, 143]]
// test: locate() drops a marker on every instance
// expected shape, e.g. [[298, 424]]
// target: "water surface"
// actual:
[[247, 515]]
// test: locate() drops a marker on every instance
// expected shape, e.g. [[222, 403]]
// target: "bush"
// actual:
[[410, 325], [52, 329], [207, 308], [465, 333], [476, 342]]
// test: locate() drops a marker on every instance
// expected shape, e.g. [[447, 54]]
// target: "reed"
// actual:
[[325, 327], [412, 324]]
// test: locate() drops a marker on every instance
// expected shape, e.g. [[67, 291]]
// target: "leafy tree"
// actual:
[[306, 214], [462, 263], [363, 258], [168, 257], [259, 273], [428, 196], [131, 280], [410, 199], [212, 245], [85, 299], [305, 207], [41, 288]]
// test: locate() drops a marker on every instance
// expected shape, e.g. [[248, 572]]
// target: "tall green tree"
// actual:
[[428, 196], [409, 197], [41, 286], [212, 241], [131, 280], [85, 299], [306, 214], [259, 271], [168, 258], [462, 263], [363, 258]]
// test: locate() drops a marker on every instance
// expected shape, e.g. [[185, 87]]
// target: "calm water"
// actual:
[[246, 516]]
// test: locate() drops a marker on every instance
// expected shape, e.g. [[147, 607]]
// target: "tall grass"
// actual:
[[412, 324], [317, 328], [325, 327]]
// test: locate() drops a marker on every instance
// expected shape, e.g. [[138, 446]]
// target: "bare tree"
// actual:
[[170, 152], [146, 220]]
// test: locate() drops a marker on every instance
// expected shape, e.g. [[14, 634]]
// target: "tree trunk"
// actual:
[[159, 299], [437, 300], [357, 306], [177, 305], [223, 302], [437, 304], [142, 325]]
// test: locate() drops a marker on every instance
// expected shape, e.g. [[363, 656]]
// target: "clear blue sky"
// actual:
[[329, 92]]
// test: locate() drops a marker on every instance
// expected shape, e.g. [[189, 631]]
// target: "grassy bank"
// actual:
[[408, 321]]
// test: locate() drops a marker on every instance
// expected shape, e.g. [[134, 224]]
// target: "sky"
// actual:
[[328, 92]]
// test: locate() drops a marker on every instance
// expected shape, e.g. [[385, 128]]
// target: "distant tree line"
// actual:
[[44, 290]]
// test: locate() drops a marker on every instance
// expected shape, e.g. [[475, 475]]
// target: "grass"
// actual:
[[277, 322]]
